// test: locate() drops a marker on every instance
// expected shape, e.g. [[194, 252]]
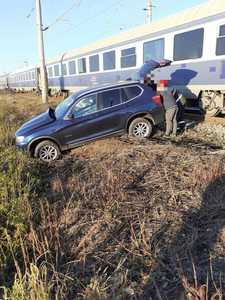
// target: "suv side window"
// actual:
[[130, 92], [85, 106], [109, 98]]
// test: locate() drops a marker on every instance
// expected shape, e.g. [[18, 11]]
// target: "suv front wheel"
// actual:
[[140, 128], [47, 151]]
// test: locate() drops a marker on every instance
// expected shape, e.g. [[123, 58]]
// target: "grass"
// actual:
[[116, 219]]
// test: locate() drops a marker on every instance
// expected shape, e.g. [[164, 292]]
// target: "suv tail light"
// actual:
[[157, 100]]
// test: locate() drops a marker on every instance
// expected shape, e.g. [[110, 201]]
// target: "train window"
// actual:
[[109, 98], [33, 75], [128, 58], [220, 43], [222, 30], [109, 60], [50, 72], [56, 70], [82, 68], [94, 63], [154, 50], [188, 45], [72, 67], [131, 92], [64, 69]]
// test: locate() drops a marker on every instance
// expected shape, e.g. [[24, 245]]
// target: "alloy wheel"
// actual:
[[48, 153], [141, 130]]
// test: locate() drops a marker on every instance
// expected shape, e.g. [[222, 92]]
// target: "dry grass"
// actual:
[[116, 219]]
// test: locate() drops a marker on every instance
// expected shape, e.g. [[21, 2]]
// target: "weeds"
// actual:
[[110, 221]]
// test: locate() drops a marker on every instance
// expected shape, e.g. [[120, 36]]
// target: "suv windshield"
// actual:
[[62, 108]]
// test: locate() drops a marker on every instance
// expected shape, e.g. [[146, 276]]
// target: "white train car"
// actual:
[[194, 40], [25, 79]]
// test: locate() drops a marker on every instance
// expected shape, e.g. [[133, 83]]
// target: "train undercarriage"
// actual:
[[212, 102]]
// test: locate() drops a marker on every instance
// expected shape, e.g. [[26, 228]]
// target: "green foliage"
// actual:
[[24, 274], [17, 189], [31, 286]]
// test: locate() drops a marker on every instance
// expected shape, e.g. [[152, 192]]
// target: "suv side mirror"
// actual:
[[69, 116]]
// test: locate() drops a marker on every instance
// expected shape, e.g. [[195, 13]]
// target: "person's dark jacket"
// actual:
[[168, 100]]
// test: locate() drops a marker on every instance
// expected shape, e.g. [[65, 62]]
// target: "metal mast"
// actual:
[[43, 72], [149, 11]]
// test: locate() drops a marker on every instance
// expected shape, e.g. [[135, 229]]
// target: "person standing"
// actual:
[[181, 101], [170, 106]]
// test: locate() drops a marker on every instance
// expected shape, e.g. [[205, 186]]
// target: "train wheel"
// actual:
[[209, 103]]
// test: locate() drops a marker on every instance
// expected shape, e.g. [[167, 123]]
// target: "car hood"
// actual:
[[37, 122]]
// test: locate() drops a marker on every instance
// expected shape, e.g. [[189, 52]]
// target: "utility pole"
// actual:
[[148, 10], [43, 71]]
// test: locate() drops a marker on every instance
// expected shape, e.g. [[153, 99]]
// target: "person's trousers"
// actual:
[[171, 120]]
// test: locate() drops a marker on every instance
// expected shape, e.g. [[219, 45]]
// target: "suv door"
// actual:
[[80, 126], [112, 111]]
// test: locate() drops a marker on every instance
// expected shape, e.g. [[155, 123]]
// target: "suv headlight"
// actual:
[[20, 139]]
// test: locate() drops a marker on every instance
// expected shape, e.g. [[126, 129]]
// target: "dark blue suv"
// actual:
[[128, 107]]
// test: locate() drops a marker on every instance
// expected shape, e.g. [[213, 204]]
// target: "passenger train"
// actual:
[[194, 40]]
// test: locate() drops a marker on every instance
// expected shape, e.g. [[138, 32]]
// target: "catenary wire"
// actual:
[[61, 17], [95, 16]]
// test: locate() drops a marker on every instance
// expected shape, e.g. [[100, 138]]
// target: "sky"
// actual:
[[86, 22]]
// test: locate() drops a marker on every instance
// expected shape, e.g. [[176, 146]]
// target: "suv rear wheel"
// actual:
[[47, 151], [140, 128]]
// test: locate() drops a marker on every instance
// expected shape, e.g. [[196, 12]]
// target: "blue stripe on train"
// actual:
[[222, 75], [205, 73], [195, 73]]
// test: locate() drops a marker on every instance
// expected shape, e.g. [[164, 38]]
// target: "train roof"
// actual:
[[24, 69], [4, 75], [199, 12]]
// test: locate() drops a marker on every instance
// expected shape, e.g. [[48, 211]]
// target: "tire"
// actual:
[[47, 151], [140, 128]]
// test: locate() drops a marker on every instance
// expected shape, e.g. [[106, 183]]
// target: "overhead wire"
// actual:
[[96, 15], [30, 13], [61, 17]]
